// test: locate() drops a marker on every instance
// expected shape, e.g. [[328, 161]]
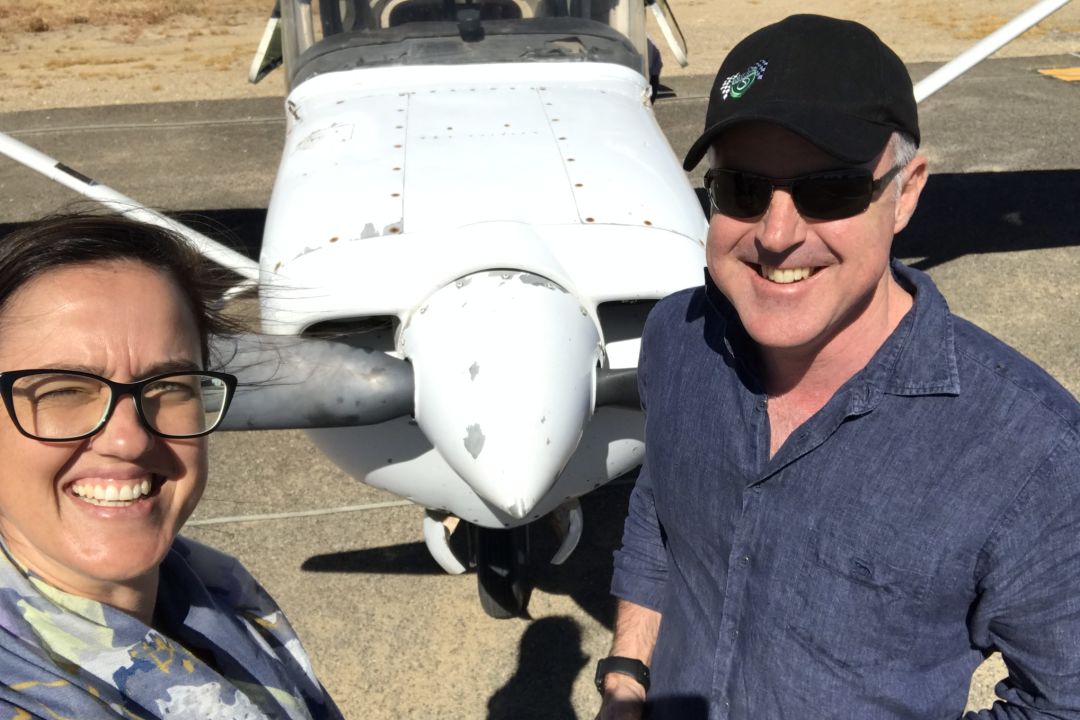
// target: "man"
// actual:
[[850, 496]]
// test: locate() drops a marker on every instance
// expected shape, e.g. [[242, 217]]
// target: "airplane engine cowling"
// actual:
[[504, 365]]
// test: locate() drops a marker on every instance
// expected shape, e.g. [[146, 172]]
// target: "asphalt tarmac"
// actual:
[[390, 634]]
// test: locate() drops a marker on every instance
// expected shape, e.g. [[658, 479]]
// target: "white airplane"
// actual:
[[474, 211]]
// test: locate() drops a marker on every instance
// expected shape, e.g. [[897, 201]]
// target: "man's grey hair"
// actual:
[[903, 149]]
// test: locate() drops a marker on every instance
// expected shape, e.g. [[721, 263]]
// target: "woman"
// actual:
[[104, 611]]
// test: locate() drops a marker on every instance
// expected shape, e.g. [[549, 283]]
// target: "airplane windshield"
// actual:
[[321, 36]]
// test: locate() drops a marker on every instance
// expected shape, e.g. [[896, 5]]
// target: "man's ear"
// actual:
[[915, 175]]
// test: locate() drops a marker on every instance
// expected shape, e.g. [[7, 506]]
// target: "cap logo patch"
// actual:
[[736, 85]]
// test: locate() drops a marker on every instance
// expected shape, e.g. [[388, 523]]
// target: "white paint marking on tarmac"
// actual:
[[171, 125], [298, 514]]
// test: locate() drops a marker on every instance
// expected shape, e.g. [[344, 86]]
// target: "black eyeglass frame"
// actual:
[[875, 186], [117, 390]]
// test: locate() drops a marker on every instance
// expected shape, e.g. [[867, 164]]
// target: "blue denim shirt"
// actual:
[[928, 515]]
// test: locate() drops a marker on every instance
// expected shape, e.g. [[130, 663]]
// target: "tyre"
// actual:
[[502, 571]]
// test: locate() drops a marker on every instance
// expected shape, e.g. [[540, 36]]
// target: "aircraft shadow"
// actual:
[[959, 214], [585, 577], [970, 213]]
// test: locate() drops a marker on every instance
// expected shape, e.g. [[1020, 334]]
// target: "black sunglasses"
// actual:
[[829, 195]]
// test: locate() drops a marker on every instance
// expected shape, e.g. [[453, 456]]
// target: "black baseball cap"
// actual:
[[834, 82]]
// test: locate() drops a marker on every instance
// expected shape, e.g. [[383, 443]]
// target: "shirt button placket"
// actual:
[[735, 594]]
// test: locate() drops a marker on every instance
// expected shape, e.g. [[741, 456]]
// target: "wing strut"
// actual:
[[57, 171], [985, 48]]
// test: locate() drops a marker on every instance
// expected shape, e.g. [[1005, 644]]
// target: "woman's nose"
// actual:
[[124, 434]]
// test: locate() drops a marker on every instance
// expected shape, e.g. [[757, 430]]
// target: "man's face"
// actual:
[[798, 283]]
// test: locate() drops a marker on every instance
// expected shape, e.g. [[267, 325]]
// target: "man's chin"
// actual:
[[781, 334]]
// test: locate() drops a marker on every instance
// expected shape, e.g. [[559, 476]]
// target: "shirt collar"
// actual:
[[737, 342], [918, 358]]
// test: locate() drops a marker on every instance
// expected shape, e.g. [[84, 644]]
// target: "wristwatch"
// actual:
[[624, 666]]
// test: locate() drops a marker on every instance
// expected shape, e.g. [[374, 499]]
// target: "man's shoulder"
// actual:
[[999, 368], [682, 300], [678, 309]]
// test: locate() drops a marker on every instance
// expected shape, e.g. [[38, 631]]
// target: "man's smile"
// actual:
[[784, 276]]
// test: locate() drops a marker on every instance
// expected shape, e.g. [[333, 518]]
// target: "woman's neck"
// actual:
[[135, 596]]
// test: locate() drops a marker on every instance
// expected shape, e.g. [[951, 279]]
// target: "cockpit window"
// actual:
[[321, 36]]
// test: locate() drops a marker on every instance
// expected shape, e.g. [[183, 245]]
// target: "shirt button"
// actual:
[[744, 560]]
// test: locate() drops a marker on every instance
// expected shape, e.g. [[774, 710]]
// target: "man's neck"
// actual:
[[800, 381]]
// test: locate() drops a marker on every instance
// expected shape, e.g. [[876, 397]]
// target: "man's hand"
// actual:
[[636, 628], [624, 698]]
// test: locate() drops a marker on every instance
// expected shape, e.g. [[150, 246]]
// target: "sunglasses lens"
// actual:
[[832, 197], [737, 194]]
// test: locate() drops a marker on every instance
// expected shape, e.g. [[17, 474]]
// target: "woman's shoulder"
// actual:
[[218, 572]]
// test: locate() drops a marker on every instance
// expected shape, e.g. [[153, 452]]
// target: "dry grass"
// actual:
[[47, 15], [976, 27]]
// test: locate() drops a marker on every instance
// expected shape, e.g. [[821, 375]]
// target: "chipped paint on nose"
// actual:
[[509, 430], [474, 440]]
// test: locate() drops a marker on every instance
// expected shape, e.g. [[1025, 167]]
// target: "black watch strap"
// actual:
[[624, 666]]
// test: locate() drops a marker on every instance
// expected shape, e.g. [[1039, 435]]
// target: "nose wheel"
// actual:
[[502, 570]]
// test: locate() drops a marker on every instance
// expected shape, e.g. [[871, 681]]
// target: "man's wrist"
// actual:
[[619, 668]]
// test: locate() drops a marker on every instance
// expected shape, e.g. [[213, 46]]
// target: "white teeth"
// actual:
[[111, 495], [784, 276]]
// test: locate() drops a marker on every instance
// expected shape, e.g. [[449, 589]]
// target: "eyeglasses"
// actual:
[[830, 195], [59, 405]]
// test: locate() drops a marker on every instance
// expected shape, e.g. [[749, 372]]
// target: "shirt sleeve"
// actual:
[[641, 564], [1029, 594]]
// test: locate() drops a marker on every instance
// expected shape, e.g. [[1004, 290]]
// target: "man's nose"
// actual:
[[781, 225], [124, 435]]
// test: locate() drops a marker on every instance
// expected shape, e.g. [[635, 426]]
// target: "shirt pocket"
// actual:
[[856, 605]]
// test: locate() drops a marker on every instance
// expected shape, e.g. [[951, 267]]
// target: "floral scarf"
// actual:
[[229, 653]]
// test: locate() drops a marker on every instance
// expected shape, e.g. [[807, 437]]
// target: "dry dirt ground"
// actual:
[[71, 53]]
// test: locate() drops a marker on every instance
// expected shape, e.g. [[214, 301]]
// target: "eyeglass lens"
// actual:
[[54, 406], [822, 197]]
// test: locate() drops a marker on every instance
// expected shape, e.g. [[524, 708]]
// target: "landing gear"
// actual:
[[502, 570], [502, 556]]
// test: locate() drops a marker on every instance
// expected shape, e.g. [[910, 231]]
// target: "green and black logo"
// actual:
[[738, 84]]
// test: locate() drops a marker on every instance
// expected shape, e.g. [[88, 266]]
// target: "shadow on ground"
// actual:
[[550, 656], [959, 214], [549, 661], [973, 213], [585, 576], [992, 212]]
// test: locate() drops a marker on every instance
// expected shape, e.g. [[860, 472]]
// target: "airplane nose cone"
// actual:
[[504, 366]]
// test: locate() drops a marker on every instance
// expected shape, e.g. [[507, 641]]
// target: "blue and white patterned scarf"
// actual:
[[229, 652]]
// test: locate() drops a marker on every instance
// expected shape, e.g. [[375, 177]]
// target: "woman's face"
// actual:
[[122, 321]]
